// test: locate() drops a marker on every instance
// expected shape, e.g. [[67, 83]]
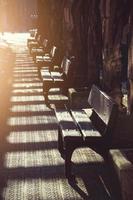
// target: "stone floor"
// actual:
[[31, 167]]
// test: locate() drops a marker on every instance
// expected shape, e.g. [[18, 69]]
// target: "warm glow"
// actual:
[[28, 158], [28, 91], [24, 69], [30, 70], [25, 75], [37, 136], [58, 97], [31, 120], [26, 98], [27, 85], [36, 188], [29, 79], [29, 108], [15, 37]]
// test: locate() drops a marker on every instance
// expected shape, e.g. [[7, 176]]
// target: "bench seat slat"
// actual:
[[68, 127], [58, 79], [88, 111], [45, 75], [33, 43], [39, 50], [43, 59], [45, 72], [55, 74], [44, 68], [85, 124]]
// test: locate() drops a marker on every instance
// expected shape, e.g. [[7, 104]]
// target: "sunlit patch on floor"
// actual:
[[27, 98], [31, 120], [19, 70], [32, 136], [27, 91], [40, 189], [25, 75], [22, 68], [57, 97], [27, 85], [28, 80], [17, 38], [28, 159], [30, 108]]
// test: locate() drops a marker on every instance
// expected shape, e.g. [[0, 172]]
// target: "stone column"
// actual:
[[87, 41], [130, 62], [115, 16]]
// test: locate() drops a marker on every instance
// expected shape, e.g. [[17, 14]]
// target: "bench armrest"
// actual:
[[124, 170], [78, 98]]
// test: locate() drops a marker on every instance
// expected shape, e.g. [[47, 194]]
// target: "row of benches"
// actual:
[[51, 75], [97, 127], [42, 52]]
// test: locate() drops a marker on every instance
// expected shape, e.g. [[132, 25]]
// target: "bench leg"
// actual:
[[64, 90], [68, 164], [60, 144], [65, 154], [46, 97], [39, 64], [39, 73]]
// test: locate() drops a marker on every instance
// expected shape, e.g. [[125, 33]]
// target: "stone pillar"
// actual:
[[87, 41], [130, 62], [94, 41], [115, 16]]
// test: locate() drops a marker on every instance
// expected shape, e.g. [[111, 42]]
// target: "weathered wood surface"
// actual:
[[77, 129]]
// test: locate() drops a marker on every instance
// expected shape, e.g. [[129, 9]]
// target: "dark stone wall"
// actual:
[[130, 61], [115, 16], [92, 31]]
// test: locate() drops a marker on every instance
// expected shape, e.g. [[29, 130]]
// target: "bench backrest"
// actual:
[[33, 32], [45, 43], [63, 62], [38, 38], [52, 51], [65, 66], [104, 108]]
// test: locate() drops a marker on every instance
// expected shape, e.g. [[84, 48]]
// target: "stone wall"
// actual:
[[92, 31]]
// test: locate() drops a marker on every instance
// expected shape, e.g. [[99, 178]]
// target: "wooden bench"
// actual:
[[33, 37], [39, 50], [53, 79], [47, 59], [78, 97], [122, 162], [36, 43], [93, 129]]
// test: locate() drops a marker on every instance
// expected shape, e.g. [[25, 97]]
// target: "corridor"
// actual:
[[31, 166]]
